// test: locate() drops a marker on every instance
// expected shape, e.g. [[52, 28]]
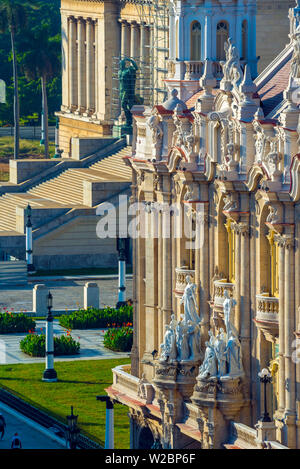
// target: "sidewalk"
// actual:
[[67, 294], [32, 435]]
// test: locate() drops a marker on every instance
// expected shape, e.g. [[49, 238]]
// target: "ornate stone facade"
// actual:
[[94, 33], [236, 175]]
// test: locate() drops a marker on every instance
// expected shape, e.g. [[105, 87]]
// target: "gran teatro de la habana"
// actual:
[[215, 361]]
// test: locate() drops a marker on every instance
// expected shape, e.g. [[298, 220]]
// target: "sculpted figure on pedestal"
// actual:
[[182, 339], [220, 350], [189, 301], [168, 347], [234, 357], [208, 369], [228, 306]]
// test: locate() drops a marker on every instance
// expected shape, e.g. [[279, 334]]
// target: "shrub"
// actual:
[[15, 322], [34, 345], [93, 318], [119, 339]]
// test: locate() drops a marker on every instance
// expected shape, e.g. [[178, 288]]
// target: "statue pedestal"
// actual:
[[176, 375], [265, 431], [121, 130]]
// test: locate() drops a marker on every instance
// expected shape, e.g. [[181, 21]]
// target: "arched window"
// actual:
[[245, 40], [196, 41], [222, 37]]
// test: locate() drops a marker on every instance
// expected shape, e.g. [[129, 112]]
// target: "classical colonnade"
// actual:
[[82, 34]]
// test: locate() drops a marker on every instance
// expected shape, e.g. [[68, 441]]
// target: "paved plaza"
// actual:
[[67, 295]]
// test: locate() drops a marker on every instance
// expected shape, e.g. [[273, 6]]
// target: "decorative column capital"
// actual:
[[284, 241], [241, 228]]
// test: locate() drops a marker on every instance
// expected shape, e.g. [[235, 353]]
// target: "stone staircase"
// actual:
[[13, 273], [67, 188], [64, 190]]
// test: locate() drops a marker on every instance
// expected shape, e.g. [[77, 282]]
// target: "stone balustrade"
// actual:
[[193, 70], [267, 308], [123, 381], [219, 288], [181, 274]]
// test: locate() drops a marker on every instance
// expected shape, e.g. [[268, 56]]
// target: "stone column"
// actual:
[[142, 54], [94, 116], [281, 392], [81, 67], [73, 97], [245, 314], [90, 67], [290, 369], [203, 252], [167, 266], [237, 278], [134, 41], [160, 281], [65, 63], [125, 39]]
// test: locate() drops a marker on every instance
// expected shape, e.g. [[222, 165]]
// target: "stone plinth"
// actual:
[[176, 375], [39, 299], [226, 393], [91, 295]]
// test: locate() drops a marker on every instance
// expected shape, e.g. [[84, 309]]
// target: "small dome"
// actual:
[[173, 102]]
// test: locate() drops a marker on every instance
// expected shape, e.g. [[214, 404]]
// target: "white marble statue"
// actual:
[[182, 341], [208, 369], [189, 301], [234, 357], [194, 339], [220, 350], [228, 305], [168, 347]]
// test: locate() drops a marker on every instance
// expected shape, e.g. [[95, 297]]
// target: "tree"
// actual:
[[13, 17], [41, 59]]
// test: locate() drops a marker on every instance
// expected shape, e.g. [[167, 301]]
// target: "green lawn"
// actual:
[[79, 383], [28, 148]]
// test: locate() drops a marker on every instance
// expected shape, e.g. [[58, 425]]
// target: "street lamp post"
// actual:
[[49, 373], [73, 430], [265, 378], [29, 244], [121, 247], [109, 423]]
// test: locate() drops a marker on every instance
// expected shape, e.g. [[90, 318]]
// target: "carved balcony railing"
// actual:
[[181, 275], [124, 381], [193, 70], [267, 308], [219, 288], [267, 315]]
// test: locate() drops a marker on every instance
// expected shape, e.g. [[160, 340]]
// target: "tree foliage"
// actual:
[[44, 18]]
